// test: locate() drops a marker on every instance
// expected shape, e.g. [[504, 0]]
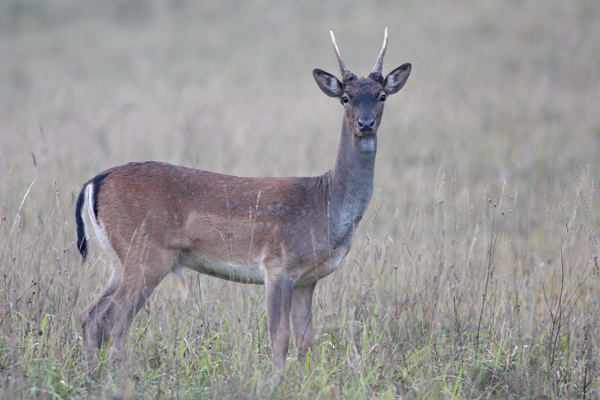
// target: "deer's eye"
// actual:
[[345, 99], [382, 98]]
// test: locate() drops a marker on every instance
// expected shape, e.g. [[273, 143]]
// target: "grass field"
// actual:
[[475, 272]]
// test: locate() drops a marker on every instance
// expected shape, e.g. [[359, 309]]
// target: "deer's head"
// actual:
[[363, 98]]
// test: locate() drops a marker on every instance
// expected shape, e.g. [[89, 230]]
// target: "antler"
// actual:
[[346, 73], [379, 64]]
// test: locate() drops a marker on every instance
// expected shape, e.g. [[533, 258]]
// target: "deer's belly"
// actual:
[[256, 273], [229, 270]]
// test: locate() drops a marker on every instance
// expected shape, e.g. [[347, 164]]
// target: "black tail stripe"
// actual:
[[96, 182], [81, 240]]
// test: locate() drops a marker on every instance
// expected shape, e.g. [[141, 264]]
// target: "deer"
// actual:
[[153, 219]]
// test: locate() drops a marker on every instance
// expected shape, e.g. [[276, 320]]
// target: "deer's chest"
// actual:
[[329, 264]]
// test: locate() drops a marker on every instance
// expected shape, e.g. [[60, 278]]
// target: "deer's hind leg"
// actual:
[[110, 316], [93, 336]]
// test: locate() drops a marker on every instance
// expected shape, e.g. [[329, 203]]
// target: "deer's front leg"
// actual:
[[302, 320], [280, 291]]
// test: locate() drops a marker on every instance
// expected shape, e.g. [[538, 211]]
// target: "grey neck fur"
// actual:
[[350, 183]]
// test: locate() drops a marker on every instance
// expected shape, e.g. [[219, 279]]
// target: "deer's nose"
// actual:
[[366, 123]]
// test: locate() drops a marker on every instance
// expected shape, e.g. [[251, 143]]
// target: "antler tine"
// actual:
[[343, 69], [379, 64]]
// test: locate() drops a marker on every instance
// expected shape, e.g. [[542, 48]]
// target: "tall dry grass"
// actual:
[[475, 272]]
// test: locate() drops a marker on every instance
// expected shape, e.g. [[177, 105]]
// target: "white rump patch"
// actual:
[[100, 232]]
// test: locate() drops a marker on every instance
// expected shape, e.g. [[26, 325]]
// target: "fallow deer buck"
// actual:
[[286, 233]]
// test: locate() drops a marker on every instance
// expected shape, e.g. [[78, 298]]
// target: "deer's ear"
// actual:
[[396, 79], [329, 84]]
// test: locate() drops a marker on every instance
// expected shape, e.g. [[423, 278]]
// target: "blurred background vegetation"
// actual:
[[480, 246]]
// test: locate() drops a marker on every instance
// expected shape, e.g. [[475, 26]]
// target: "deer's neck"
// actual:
[[351, 183]]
